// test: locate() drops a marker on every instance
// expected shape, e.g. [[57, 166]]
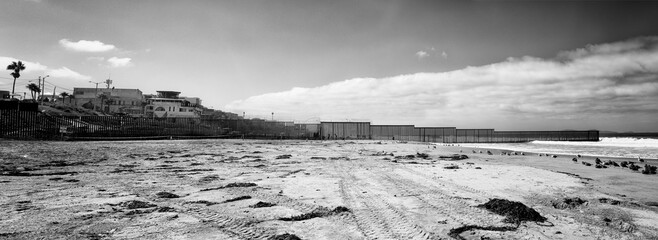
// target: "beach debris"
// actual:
[[574, 159], [480, 151], [205, 202], [586, 163], [579, 156], [262, 205], [541, 154], [473, 151], [451, 167], [478, 168], [514, 212], [598, 161], [624, 164], [454, 233], [423, 155], [489, 152], [633, 167], [135, 204], [640, 159], [648, 169], [166, 195], [569, 203], [319, 212], [230, 185], [284, 156], [319, 158], [609, 201], [600, 166], [285, 236], [554, 156], [455, 157]]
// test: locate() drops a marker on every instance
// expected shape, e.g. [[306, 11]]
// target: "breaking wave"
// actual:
[[605, 147]]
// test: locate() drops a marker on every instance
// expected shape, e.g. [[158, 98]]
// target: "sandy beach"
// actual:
[[266, 189]]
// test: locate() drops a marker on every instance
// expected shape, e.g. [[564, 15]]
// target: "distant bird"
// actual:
[[473, 151], [578, 155], [523, 154], [640, 159], [489, 152], [574, 159], [541, 154], [554, 156], [480, 151]]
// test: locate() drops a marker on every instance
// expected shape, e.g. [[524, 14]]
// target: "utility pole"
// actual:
[[96, 96], [39, 94], [55, 88], [42, 86]]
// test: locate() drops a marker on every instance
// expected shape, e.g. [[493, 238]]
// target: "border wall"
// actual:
[[35, 125]]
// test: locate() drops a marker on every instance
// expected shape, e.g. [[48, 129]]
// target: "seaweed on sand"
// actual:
[[321, 212], [285, 236], [515, 212], [262, 205], [568, 203]]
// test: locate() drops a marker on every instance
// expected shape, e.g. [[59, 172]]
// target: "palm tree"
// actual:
[[64, 95], [33, 89], [17, 67]]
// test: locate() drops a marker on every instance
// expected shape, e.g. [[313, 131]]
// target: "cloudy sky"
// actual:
[[509, 65]]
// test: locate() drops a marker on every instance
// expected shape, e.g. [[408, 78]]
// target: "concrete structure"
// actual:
[[168, 104], [110, 100]]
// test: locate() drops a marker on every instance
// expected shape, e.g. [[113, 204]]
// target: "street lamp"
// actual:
[[96, 86]]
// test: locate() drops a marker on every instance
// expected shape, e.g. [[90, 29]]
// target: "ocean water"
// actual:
[[605, 147]]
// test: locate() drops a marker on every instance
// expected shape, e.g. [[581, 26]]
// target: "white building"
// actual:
[[167, 104]]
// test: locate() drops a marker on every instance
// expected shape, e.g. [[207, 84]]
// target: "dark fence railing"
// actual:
[[35, 125]]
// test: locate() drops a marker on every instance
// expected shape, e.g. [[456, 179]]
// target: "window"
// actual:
[[159, 109]]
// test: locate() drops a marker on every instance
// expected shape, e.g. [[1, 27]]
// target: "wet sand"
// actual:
[[235, 189]]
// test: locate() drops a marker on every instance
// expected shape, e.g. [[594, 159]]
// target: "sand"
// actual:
[[211, 189]]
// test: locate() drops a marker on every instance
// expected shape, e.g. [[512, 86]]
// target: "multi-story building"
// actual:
[[110, 100], [168, 104]]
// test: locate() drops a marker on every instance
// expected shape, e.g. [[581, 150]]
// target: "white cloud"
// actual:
[[95, 58], [40, 69], [444, 55], [29, 66], [599, 86], [422, 54], [66, 73], [86, 46], [119, 62]]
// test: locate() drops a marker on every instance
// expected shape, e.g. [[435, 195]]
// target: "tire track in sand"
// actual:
[[376, 218]]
